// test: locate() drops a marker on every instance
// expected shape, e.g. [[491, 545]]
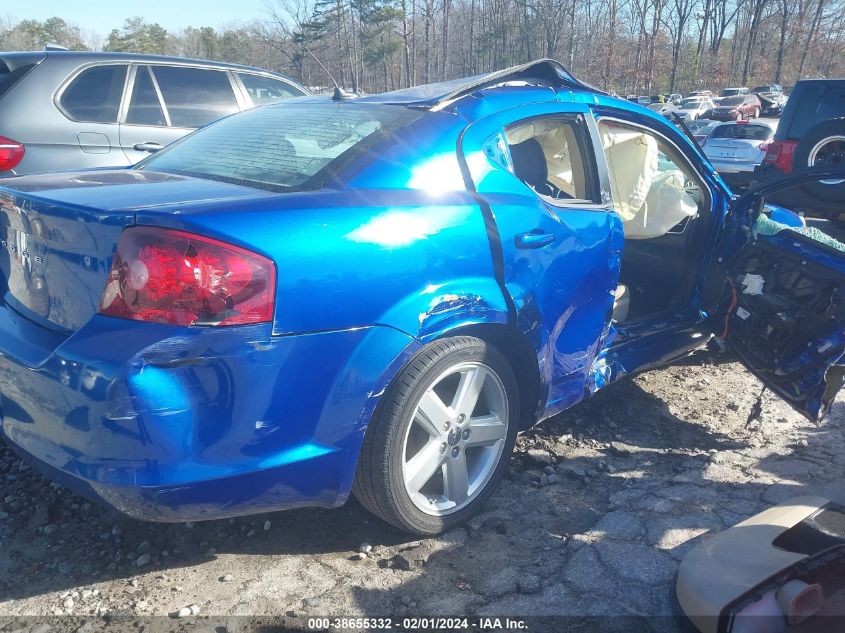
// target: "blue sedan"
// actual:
[[373, 295]]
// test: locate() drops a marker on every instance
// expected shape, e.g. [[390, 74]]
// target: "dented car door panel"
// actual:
[[560, 259], [781, 308]]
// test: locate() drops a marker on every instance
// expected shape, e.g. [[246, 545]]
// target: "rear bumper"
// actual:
[[169, 423]]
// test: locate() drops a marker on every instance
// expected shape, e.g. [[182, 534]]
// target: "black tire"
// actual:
[[824, 192], [378, 481]]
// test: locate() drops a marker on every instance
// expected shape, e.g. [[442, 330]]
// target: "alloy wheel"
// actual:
[[455, 439]]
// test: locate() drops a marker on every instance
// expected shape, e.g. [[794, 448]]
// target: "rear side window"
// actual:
[[195, 96], [281, 147], [815, 105], [144, 106], [264, 90], [547, 155], [94, 94]]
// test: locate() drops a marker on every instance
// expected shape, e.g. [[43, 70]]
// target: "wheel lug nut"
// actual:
[[461, 418], [446, 425], [455, 451], [466, 434], [443, 448]]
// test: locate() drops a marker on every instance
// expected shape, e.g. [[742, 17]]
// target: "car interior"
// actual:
[[655, 192]]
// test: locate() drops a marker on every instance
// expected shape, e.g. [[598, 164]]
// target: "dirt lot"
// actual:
[[598, 507]]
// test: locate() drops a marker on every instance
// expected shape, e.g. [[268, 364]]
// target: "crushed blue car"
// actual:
[[373, 295]]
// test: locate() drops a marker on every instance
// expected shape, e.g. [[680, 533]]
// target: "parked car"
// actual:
[[736, 149], [733, 92], [295, 303], [703, 98], [73, 110], [767, 88], [661, 108], [693, 108], [772, 104], [700, 93], [701, 129], [736, 108], [811, 133], [772, 99]]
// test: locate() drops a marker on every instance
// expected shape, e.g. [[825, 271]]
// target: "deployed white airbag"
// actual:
[[649, 200], [665, 206], [632, 160]]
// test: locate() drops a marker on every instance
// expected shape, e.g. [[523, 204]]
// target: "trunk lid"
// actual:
[[58, 234], [726, 150]]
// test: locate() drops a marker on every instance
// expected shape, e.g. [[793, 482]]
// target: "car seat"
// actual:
[[529, 165]]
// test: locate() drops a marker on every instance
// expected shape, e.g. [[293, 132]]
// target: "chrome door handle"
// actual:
[[149, 146]]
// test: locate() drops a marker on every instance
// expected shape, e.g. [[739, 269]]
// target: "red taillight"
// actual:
[[167, 276], [11, 153], [779, 154]]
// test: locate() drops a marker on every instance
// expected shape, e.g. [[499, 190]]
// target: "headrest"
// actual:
[[529, 162]]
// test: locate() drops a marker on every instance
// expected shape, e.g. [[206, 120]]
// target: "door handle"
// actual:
[[149, 146], [534, 239]]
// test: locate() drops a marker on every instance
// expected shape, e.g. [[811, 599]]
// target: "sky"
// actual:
[[101, 16]]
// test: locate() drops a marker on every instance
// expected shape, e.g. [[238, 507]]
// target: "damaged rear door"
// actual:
[[779, 297]]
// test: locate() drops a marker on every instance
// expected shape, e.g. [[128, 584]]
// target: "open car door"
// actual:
[[777, 296]]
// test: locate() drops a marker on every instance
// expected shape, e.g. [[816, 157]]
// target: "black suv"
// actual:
[[811, 132]]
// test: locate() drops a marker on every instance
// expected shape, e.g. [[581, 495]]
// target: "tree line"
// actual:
[[629, 46]]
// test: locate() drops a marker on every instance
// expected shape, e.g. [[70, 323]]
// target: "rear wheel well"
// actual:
[[517, 349]]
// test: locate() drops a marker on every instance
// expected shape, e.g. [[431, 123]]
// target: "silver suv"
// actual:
[[72, 110]]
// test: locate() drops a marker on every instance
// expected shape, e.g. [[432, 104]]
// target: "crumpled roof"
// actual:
[[546, 72]]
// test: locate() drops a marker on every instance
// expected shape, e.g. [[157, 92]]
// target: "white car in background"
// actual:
[[692, 108], [736, 148]]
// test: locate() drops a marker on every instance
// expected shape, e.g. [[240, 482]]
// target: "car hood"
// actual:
[[128, 189]]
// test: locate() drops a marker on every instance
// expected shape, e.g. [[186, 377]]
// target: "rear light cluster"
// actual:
[[166, 276], [11, 153], [779, 154]]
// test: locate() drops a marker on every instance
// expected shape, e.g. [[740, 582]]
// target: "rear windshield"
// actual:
[[13, 69], [690, 104], [281, 147], [729, 101], [743, 132]]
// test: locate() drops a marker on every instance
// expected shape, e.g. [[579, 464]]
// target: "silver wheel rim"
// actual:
[[828, 151], [455, 439]]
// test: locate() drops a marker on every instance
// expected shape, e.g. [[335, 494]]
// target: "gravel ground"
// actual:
[[598, 507]]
